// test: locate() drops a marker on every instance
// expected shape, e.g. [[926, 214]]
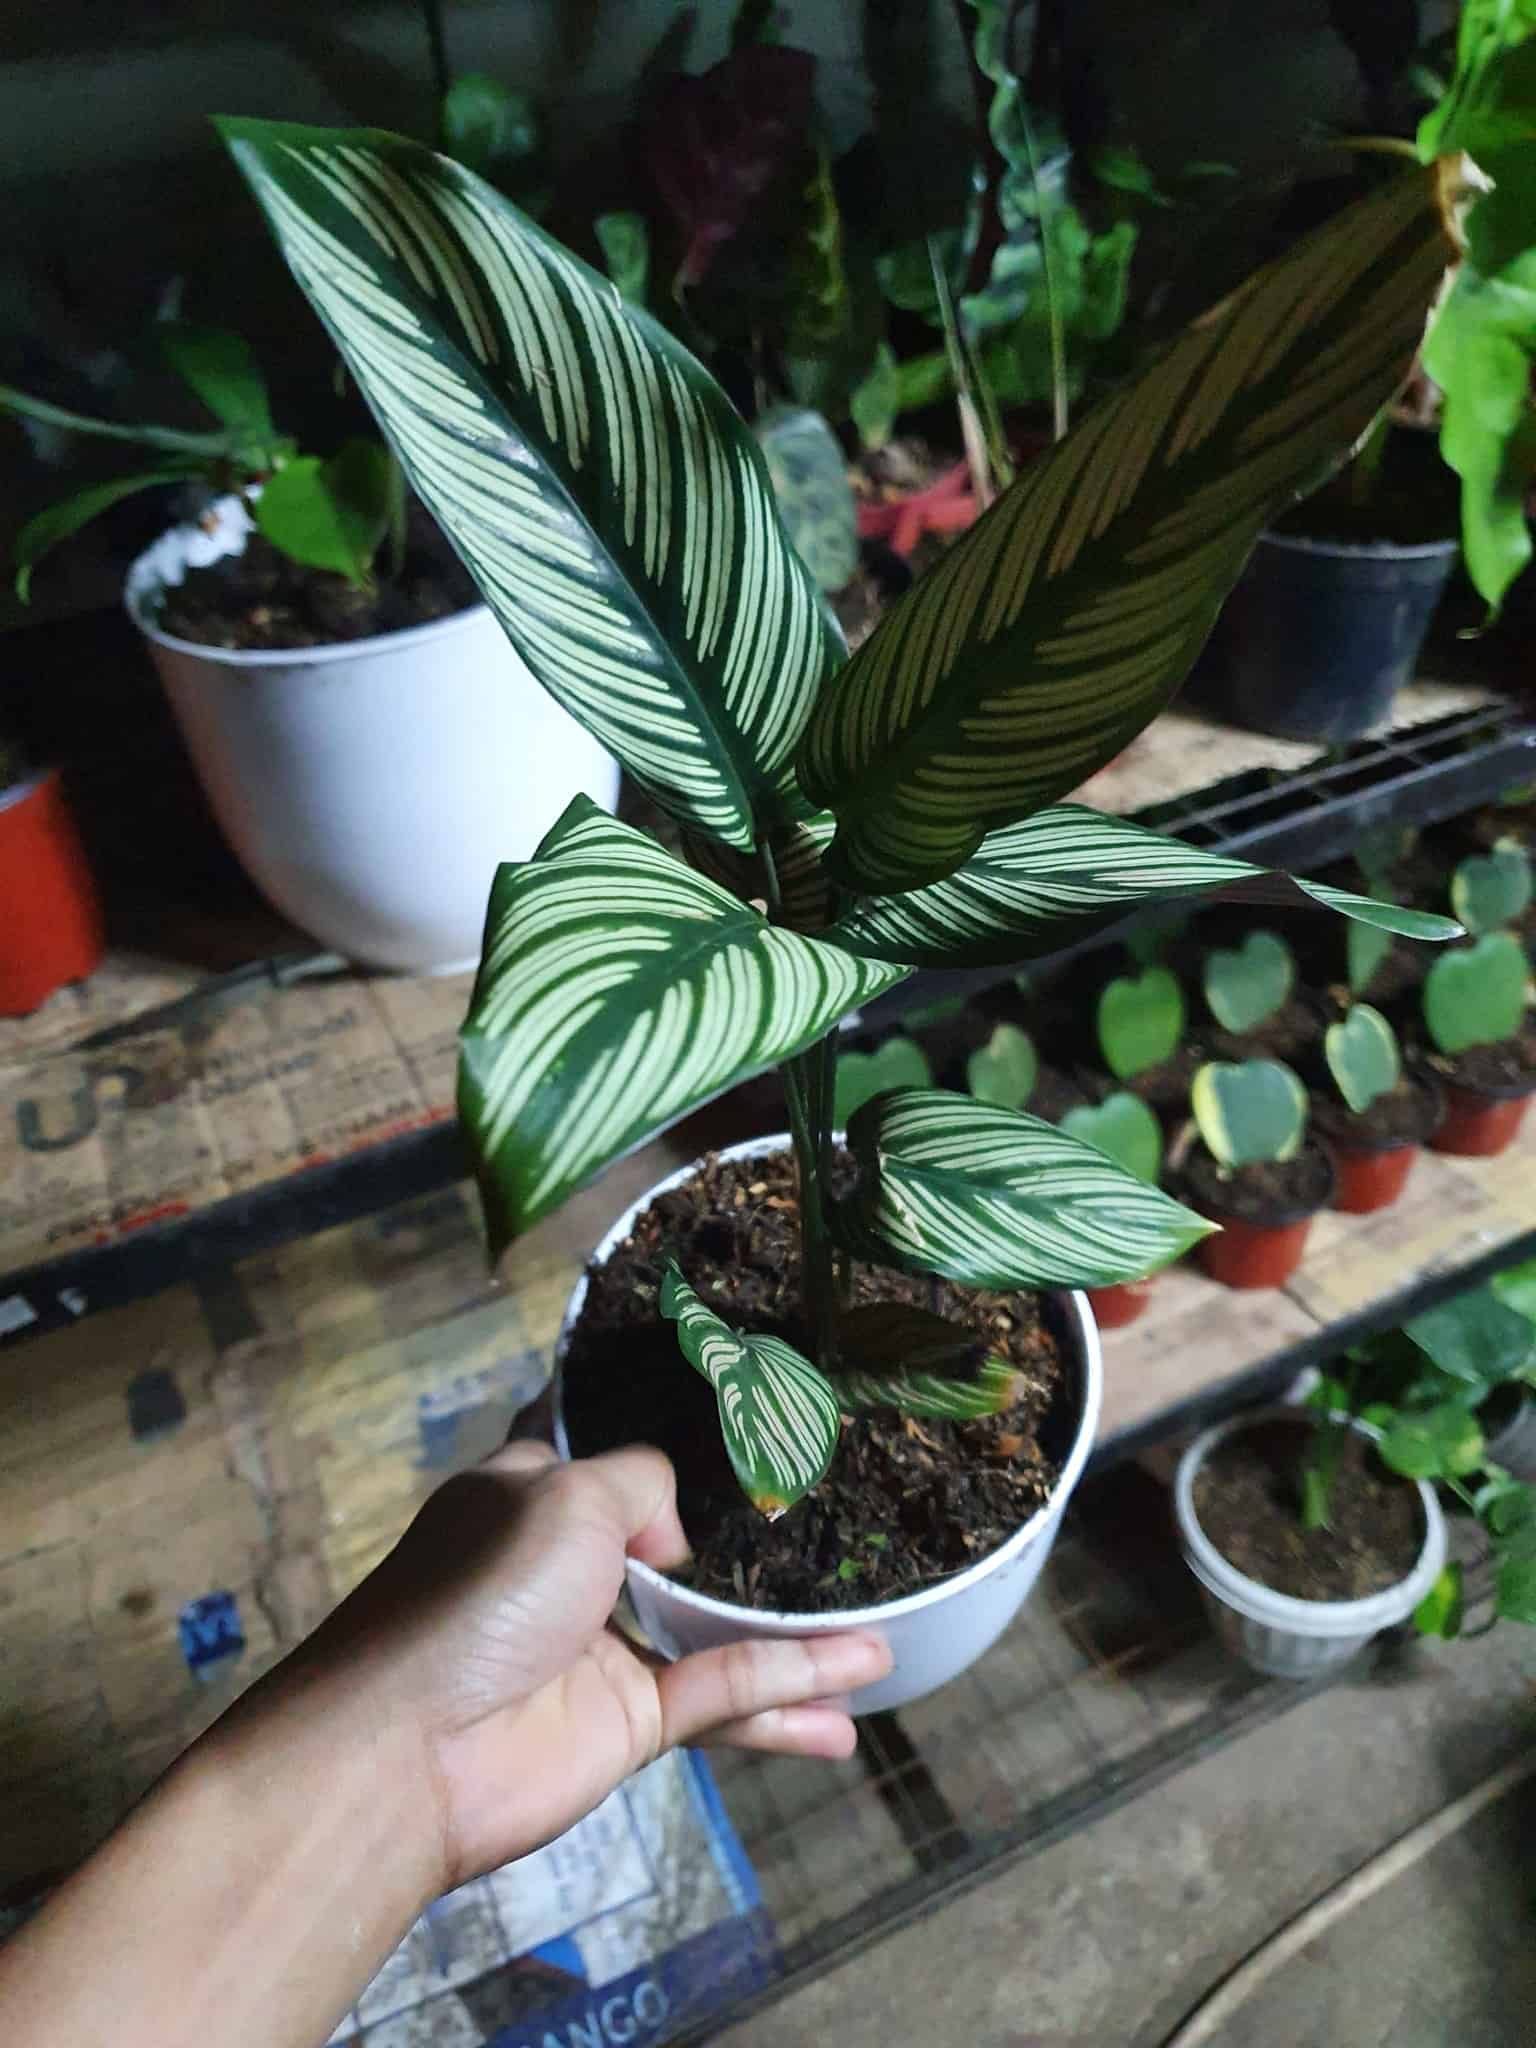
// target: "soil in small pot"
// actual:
[[1269, 1191], [1508, 1068], [1163, 1088], [905, 1503], [1296, 1025], [1405, 1115], [262, 599], [1247, 1497]]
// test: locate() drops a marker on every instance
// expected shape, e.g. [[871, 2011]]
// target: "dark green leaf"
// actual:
[[1514, 1589], [1474, 1338], [222, 371], [331, 514], [57, 522], [897, 1356]]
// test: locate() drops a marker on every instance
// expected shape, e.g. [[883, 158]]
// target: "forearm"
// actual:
[[250, 1897]]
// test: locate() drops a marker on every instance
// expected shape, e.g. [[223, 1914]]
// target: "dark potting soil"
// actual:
[[262, 599], [1405, 1115], [1270, 1191], [1499, 1070], [1294, 1026], [1165, 1087], [904, 1504], [1247, 1500]]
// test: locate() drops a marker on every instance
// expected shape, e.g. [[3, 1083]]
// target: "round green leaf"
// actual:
[[1247, 983], [1362, 1055], [1123, 1127], [1140, 1021], [1249, 1112], [1475, 995], [1005, 1069]]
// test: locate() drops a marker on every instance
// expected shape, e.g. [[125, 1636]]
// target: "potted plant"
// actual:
[[367, 739], [1380, 1117], [1139, 1022], [898, 809], [1476, 1352], [1250, 991], [1474, 1009], [1254, 1171], [1128, 1131], [51, 933]]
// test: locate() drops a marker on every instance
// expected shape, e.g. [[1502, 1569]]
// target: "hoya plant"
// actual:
[[1246, 985], [1362, 1055], [1005, 1069], [1123, 1127], [1492, 890], [1140, 1020], [326, 512], [898, 1062], [1249, 1113], [1476, 995], [847, 820]]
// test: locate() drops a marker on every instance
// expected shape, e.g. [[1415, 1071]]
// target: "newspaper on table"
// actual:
[[645, 1918]]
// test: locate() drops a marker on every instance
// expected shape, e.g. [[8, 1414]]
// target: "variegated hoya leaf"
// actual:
[[617, 990], [778, 1414], [1065, 873], [1069, 614], [995, 1198], [605, 496], [894, 1355]]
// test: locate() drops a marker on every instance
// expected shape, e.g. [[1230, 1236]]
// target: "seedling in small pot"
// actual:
[[1374, 1156], [898, 1063], [1246, 985], [1140, 1021], [1123, 1127], [1492, 890], [1005, 1069], [1253, 1119], [1363, 1057], [1253, 1114]]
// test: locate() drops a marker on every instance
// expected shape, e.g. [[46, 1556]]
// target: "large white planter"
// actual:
[[370, 788], [1274, 1632], [934, 1635]]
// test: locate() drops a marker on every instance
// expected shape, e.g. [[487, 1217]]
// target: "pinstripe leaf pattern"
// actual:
[[994, 1198], [1068, 616], [778, 1414], [617, 990], [1067, 872], [897, 1356], [603, 493]]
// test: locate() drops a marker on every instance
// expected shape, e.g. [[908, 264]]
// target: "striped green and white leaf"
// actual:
[[604, 494], [617, 990], [1068, 616], [778, 1415], [1066, 873], [995, 1198], [895, 1355]]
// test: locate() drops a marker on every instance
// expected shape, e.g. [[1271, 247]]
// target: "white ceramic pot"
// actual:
[[1274, 1632], [934, 1635], [371, 787]]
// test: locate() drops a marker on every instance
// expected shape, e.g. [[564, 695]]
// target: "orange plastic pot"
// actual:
[[1373, 1178], [1114, 1307], [50, 919], [1478, 1125], [1254, 1254]]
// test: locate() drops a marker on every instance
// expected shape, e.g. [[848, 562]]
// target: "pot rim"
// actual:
[[849, 1619], [1361, 551], [1491, 1096], [1285, 1218], [147, 581], [1285, 1610]]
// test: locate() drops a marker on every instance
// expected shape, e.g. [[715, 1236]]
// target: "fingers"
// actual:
[[824, 1732], [726, 1688]]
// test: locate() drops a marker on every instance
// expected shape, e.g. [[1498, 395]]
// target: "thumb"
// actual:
[[712, 1688]]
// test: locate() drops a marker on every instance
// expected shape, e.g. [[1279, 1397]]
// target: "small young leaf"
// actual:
[[815, 498], [1362, 1055], [333, 514], [898, 1356], [1140, 1021], [1476, 994], [1475, 1339], [222, 371], [1439, 1613], [626, 246], [1247, 983], [1443, 1442], [1123, 1127], [898, 1063], [1491, 890], [1005, 1069], [1248, 1113], [778, 1414]]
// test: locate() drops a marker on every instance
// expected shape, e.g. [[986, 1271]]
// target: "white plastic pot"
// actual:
[[371, 787], [934, 1635], [1274, 1632]]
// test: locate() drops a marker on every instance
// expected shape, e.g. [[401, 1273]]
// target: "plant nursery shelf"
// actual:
[[153, 1125]]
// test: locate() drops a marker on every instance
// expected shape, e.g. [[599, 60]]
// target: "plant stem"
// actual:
[[1321, 1468], [1053, 319]]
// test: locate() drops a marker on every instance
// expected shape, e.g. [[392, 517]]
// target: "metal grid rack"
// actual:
[[1109, 1681]]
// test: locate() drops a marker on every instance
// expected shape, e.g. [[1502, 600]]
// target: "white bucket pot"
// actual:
[[933, 1635], [1275, 1632], [370, 787]]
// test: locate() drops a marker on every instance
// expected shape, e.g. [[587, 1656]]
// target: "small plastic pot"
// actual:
[[51, 931], [1248, 1254], [1478, 1124], [1114, 1307], [1371, 1177], [1274, 1632], [934, 1635]]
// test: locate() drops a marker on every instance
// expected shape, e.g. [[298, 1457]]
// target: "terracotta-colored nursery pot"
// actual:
[[1371, 1177], [1114, 1307], [1476, 1125], [50, 930], [1247, 1254]]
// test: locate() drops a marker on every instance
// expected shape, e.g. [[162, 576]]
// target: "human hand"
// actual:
[[485, 1632]]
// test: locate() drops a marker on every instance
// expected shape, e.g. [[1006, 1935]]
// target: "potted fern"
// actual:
[[800, 1327], [1475, 1009]]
